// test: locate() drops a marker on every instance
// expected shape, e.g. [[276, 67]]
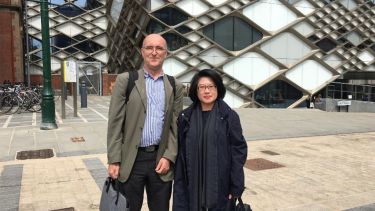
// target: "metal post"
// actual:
[[63, 94], [75, 104], [83, 91], [48, 104], [25, 6]]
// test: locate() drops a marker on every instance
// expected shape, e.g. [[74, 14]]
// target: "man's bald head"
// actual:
[[154, 37]]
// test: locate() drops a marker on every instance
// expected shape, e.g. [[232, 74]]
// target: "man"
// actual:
[[142, 133]]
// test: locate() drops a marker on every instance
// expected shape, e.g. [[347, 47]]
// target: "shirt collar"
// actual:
[[148, 75]]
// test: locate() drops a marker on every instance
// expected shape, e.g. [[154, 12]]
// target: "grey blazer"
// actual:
[[126, 121]]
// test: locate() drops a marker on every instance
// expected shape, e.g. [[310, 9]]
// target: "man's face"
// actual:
[[154, 52]]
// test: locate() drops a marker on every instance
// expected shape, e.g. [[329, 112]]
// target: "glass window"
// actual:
[[71, 50], [61, 41], [155, 27], [313, 38], [36, 56], [170, 16], [183, 29], [34, 44], [326, 44], [232, 33], [80, 37], [54, 3], [87, 4], [354, 38], [116, 9], [69, 10], [277, 94], [88, 46], [89, 59], [174, 41]]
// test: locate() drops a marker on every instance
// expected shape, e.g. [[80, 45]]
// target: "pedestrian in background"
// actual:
[[211, 149], [142, 131]]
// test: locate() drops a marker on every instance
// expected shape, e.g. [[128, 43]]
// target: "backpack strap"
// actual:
[[173, 84], [133, 76]]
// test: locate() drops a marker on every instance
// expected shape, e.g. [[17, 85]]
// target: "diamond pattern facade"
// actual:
[[77, 30], [276, 54]]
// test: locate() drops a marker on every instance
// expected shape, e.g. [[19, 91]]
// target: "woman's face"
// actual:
[[207, 93]]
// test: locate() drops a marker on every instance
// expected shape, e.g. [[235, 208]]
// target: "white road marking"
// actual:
[[101, 115], [58, 117], [34, 119], [7, 121]]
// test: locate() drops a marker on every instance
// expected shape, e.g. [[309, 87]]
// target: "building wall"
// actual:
[[11, 50], [275, 53]]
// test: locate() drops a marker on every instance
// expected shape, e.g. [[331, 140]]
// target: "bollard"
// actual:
[[83, 94], [65, 92]]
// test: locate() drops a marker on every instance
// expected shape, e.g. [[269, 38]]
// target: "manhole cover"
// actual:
[[34, 154], [77, 139], [65, 209], [261, 164], [270, 152]]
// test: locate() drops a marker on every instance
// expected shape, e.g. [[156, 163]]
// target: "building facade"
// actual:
[[270, 53], [11, 48], [77, 31]]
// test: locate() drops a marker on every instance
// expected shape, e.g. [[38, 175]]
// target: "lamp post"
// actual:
[[48, 104]]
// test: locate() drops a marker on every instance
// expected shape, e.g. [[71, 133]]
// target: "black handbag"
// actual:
[[240, 206], [112, 199]]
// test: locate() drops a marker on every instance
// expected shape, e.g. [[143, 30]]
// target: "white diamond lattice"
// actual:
[[309, 75], [192, 7], [70, 29], [286, 48], [250, 68], [274, 14]]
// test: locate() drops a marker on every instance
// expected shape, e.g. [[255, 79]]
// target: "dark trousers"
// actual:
[[143, 175]]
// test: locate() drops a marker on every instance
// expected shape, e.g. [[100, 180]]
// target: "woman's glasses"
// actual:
[[202, 87]]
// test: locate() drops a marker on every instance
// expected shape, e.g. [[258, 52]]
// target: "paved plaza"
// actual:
[[327, 159]]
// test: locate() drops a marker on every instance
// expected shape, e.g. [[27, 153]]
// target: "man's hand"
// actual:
[[113, 170], [163, 166]]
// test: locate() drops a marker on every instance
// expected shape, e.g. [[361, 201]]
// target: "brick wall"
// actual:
[[11, 50], [6, 2], [108, 83], [6, 47]]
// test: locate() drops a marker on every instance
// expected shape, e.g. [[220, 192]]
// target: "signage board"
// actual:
[[344, 103], [70, 71]]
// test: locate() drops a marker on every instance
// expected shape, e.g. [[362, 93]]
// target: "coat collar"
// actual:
[[223, 110], [140, 84], [141, 87]]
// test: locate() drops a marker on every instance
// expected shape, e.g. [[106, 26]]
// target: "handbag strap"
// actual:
[[240, 202], [116, 186]]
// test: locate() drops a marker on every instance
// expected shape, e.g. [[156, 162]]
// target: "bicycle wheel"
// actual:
[[6, 104], [15, 104], [36, 104]]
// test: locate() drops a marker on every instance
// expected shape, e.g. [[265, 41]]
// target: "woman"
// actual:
[[212, 150]]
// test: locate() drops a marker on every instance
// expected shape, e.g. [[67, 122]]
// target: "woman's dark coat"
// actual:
[[231, 156]]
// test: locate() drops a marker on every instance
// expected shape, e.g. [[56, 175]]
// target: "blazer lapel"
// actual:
[[140, 84], [168, 92]]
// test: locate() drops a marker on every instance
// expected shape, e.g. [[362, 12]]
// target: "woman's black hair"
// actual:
[[214, 76]]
